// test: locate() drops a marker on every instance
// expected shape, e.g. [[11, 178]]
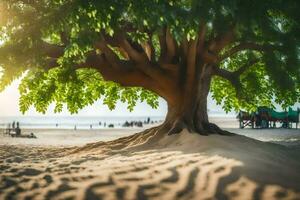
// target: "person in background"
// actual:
[[148, 120], [18, 130], [8, 129]]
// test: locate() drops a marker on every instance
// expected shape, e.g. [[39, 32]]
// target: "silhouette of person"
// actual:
[[18, 130]]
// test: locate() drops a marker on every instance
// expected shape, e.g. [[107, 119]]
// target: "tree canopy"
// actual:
[[76, 51]]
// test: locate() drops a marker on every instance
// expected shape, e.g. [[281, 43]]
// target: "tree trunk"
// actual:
[[190, 109]]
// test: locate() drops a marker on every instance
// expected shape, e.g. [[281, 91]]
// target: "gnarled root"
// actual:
[[204, 128], [152, 136], [177, 127], [214, 129]]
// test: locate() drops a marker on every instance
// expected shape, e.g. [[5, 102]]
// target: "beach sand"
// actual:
[[182, 166], [67, 137]]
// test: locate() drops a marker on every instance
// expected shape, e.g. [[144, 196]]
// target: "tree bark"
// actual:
[[190, 109]]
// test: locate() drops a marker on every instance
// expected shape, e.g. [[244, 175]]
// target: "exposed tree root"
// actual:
[[214, 129], [202, 128], [177, 127], [152, 136]]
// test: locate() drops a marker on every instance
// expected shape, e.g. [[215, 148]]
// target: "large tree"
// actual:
[[246, 52]]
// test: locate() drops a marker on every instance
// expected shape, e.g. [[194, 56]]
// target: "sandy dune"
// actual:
[[183, 166]]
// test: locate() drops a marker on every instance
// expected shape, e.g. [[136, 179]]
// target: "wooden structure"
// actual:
[[266, 117], [246, 119]]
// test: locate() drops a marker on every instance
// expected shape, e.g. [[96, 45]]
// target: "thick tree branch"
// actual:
[[246, 46], [109, 54], [222, 73], [142, 62], [153, 51], [209, 57], [245, 67], [64, 38], [171, 46], [53, 62], [135, 72], [201, 38], [191, 62], [233, 78], [126, 75], [51, 50], [132, 52], [184, 47], [148, 50], [114, 42], [168, 46], [145, 50], [222, 41], [50, 63], [235, 74], [149, 47], [210, 54], [163, 45]]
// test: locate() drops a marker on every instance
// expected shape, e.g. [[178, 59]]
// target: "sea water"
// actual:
[[70, 122], [83, 122]]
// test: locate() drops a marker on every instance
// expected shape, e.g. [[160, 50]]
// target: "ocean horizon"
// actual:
[[82, 122]]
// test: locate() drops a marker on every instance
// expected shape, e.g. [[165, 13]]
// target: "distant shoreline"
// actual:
[[81, 136], [87, 123]]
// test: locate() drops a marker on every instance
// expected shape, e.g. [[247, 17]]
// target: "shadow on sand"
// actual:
[[184, 166]]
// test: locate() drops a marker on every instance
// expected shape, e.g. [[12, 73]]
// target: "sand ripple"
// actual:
[[59, 173]]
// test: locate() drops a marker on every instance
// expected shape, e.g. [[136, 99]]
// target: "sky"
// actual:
[[9, 100]]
